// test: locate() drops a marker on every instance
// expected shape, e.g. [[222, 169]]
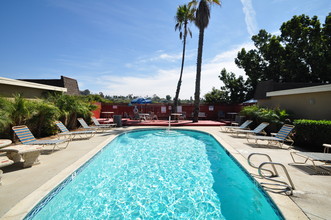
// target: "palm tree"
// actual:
[[184, 15], [201, 21]]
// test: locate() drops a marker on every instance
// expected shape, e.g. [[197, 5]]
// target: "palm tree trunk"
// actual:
[[181, 72], [198, 78]]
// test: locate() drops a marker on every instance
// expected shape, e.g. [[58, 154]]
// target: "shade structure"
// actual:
[[141, 101]]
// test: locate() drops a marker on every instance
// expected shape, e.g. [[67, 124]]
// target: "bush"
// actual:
[[39, 115], [311, 134], [71, 108], [42, 122], [276, 117]]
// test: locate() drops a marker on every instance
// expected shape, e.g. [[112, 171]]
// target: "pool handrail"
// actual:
[[288, 188]]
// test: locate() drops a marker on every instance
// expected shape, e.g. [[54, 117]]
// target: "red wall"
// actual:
[[96, 113], [211, 113]]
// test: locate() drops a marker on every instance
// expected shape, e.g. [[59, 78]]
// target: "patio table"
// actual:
[[176, 116], [107, 114], [143, 116]]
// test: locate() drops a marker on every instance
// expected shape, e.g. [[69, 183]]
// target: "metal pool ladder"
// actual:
[[278, 186]]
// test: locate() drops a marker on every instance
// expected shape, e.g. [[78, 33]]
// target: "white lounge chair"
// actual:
[[87, 127], [258, 130], [72, 134], [313, 157], [97, 123], [243, 126], [279, 138]]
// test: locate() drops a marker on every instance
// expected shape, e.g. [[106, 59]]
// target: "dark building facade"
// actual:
[[65, 82]]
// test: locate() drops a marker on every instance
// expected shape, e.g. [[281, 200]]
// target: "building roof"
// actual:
[[311, 89], [15, 82], [270, 86], [65, 82]]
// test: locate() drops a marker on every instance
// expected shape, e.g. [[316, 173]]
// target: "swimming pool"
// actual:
[[159, 174]]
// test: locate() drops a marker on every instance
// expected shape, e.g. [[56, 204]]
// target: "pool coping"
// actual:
[[285, 204]]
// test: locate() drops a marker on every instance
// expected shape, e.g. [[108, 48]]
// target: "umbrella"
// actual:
[[141, 101], [251, 101]]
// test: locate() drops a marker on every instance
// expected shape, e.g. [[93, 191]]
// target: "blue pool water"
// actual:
[[159, 174]]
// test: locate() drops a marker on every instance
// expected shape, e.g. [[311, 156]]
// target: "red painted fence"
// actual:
[[211, 112]]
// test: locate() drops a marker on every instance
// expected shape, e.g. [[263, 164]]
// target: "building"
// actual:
[[70, 84], [31, 90], [308, 102]]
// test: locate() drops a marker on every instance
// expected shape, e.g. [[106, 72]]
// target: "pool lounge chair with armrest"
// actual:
[[242, 126], [87, 127], [97, 123], [279, 138], [26, 137], [258, 130], [72, 134], [29, 153]]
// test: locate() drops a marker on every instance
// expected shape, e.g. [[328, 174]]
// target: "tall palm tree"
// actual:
[[184, 15], [202, 16]]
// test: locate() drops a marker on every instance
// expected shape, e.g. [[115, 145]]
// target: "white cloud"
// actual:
[[160, 56], [164, 81], [250, 20]]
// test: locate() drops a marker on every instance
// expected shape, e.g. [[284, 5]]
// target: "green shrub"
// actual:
[[311, 134], [39, 115], [5, 119], [42, 122], [71, 108], [276, 117]]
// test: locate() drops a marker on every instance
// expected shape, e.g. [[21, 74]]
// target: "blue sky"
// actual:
[[131, 47]]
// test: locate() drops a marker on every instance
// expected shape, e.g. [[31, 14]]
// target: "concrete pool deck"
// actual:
[[22, 188]]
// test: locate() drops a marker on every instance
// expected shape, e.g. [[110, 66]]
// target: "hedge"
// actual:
[[312, 134]]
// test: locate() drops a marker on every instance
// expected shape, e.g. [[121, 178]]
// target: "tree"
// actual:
[[5, 119], [234, 88], [71, 107], [300, 54], [202, 16], [184, 15], [85, 92], [168, 98], [42, 121], [216, 96]]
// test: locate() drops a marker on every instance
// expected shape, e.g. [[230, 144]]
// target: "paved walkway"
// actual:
[[21, 187]]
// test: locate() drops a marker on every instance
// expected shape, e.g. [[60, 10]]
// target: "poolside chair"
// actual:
[[29, 153], [97, 123], [26, 137], [243, 126], [258, 130], [313, 157], [72, 134], [152, 116], [86, 126], [279, 138], [4, 162]]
